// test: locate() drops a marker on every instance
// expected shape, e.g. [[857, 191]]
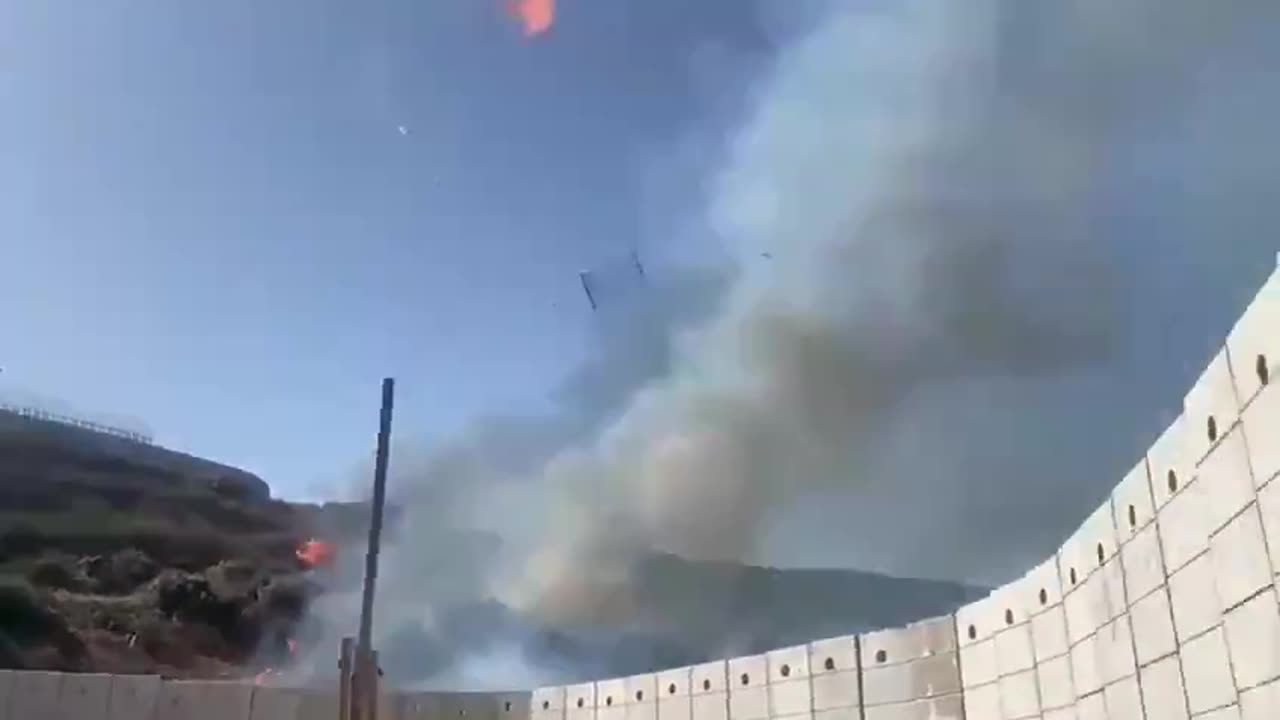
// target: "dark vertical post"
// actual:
[[345, 668], [366, 672]]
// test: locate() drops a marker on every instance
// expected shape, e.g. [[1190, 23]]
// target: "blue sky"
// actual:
[[210, 221]]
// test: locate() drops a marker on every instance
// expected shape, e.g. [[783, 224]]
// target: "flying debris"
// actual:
[[403, 130], [613, 281], [537, 16]]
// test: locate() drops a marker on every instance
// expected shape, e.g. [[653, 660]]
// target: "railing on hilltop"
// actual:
[[35, 413]]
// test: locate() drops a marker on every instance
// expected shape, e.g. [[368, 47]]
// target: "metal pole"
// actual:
[[366, 673]]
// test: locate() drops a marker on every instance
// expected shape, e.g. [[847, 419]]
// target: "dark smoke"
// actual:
[[977, 218]]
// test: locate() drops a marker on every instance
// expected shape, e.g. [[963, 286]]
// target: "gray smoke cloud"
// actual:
[[944, 283]]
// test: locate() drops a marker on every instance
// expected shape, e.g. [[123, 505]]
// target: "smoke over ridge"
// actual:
[[941, 191]]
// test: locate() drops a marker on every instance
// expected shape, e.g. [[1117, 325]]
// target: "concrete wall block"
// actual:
[[642, 689], [1253, 639], [179, 700], [709, 706], [83, 697], [318, 705], [1194, 598], [923, 678], [1087, 610], [222, 700], [1085, 672], [978, 664], [1143, 564], [1238, 553], [1095, 542], [1210, 407], [35, 696], [419, 706], [673, 694], [1132, 505], [512, 705], [903, 644], [1260, 703], [944, 708], [789, 689], [1014, 652], [644, 710], [1185, 527], [1170, 463], [1206, 672], [1055, 683], [749, 687], [712, 677], [982, 701], [1153, 635], [1163, 695], [1019, 696], [611, 695], [1253, 343], [270, 703], [132, 696], [675, 682], [548, 703], [1123, 699], [1269, 507], [1066, 713], [1049, 634], [1227, 479], [975, 624], [1114, 645], [834, 667], [1261, 423], [1092, 707], [581, 701], [1041, 588], [6, 692]]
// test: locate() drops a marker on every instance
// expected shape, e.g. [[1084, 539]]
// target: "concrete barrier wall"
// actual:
[[1162, 605]]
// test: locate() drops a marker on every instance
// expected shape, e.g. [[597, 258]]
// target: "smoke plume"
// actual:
[[935, 212]]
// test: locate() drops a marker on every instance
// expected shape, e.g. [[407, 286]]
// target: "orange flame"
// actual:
[[316, 553], [536, 15]]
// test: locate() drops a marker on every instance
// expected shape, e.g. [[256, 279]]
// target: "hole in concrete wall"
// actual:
[[1102, 554], [506, 706], [580, 702], [1073, 576], [1133, 517], [639, 695], [746, 679], [1263, 369], [1008, 617], [608, 701], [881, 656], [706, 684], [1211, 426], [785, 670], [973, 633], [1044, 596], [671, 689], [462, 713], [830, 664], [1173, 481], [546, 704]]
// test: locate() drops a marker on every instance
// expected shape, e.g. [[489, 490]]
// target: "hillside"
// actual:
[[109, 563]]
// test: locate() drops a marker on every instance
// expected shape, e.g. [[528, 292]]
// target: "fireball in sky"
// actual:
[[537, 16], [316, 553]]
